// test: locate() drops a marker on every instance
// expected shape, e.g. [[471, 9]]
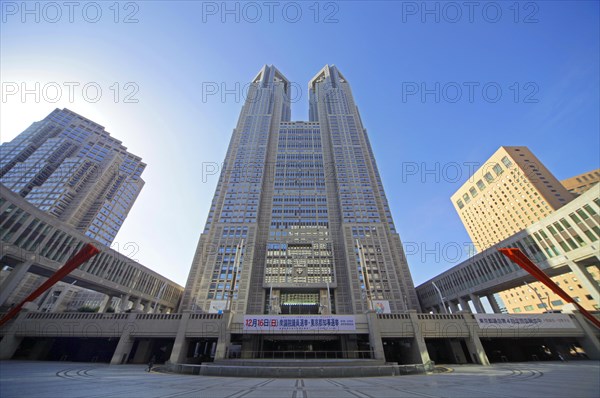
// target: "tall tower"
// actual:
[[511, 191], [299, 223], [73, 169]]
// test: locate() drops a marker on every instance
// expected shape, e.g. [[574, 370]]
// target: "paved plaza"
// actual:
[[578, 379]]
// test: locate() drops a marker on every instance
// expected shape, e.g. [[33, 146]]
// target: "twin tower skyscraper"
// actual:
[[299, 223]]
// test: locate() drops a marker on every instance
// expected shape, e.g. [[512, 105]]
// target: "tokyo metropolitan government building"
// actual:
[[299, 223]]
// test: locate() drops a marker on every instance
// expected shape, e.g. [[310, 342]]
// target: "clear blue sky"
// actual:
[[383, 49]]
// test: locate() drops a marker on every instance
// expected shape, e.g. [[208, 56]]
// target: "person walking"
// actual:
[[151, 364]]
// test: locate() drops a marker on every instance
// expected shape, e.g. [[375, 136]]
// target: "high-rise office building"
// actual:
[[535, 297], [72, 168], [511, 191], [299, 223], [582, 182]]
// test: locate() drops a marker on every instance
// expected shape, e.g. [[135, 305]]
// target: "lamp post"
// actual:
[[441, 297]]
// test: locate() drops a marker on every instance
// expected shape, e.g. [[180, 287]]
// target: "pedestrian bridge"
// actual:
[[566, 240], [32, 241]]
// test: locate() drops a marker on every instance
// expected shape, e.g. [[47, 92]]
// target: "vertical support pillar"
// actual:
[[137, 304], [124, 306], [453, 307], [473, 342], [13, 279], [494, 304], [477, 303], [180, 346], [586, 279], [105, 304], [464, 304], [147, 307], [375, 335], [125, 343], [420, 353], [61, 297], [10, 342], [224, 336], [589, 342]]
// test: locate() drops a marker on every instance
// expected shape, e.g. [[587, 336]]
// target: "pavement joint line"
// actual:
[[54, 379], [239, 394]]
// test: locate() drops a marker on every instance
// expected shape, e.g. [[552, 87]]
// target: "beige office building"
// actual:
[[536, 298], [508, 193], [582, 182]]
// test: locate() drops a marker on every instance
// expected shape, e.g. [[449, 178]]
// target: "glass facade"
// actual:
[[318, 236], [70, 167]]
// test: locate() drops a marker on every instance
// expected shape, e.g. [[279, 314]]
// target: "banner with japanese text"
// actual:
[[271, 323], [506, 321]]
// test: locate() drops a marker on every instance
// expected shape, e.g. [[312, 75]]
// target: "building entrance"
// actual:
[[300, 346]]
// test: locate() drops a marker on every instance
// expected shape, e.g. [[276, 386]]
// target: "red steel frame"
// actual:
[[519, 258], [88, 251]]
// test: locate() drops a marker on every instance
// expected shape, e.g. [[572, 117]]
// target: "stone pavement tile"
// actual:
[[576, 379]]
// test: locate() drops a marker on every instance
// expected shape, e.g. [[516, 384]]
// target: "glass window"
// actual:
[[466, 198], [518, 309], [460, 204], [529, 308], [488, 177], [497, 169], [589, 210], [557, 302], [557, 225], [480, 185], [506, 161], [582, 214], [473, 191]]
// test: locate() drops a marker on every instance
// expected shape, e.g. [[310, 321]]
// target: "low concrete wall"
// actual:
[[210, 369]]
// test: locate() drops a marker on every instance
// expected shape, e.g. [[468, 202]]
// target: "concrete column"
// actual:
[[453, 307], [419, 348], [179, 351], [10, 342], [473, 342], [494, 304], [125, 343], [464, 304], [477, 303], [375, 335], [586, 279], [12, 280], [124, 303], [147, 307], [589, 342], [224, 336], [61, 297], [105, 304], [137, 304]]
